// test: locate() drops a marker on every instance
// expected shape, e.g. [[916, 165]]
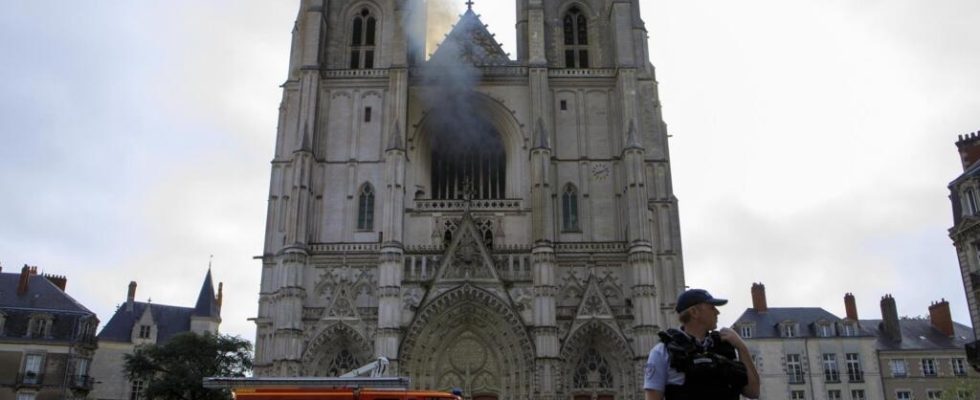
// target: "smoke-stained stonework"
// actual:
[[503, 225]]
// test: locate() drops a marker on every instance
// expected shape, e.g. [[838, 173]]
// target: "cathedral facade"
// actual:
[[504, 225]]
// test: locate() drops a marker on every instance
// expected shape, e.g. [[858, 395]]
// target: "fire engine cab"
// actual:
[[350, 386], [310, 388]]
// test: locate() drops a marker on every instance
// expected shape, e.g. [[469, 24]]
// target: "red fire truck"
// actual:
[[310, 388]]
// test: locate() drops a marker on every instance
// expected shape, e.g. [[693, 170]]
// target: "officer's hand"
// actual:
[[729, 335]]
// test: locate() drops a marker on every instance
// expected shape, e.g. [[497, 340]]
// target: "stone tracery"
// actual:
[[336, 350], [597, 361], [473, 338]]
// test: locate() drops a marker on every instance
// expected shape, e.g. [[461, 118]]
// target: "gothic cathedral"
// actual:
[[502, 225]]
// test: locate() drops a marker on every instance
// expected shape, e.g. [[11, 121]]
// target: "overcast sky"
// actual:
[[812, 144]]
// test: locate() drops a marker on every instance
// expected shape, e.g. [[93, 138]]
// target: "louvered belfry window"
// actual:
[[362, 40], [576, 33]]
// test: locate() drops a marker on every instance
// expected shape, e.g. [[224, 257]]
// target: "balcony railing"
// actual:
[[30, 379], [476, 205], [82, 382]]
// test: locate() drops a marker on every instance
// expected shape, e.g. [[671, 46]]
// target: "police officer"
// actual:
[[697, 362]]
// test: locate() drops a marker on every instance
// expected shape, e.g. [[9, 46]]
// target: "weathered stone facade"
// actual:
[[503, 226], [965, 233]]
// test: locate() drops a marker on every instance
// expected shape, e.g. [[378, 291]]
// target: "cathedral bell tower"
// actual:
[[505, 225]]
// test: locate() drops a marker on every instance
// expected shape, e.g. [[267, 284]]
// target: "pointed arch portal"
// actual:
[[470, 339], [597, 363], [335, 351]]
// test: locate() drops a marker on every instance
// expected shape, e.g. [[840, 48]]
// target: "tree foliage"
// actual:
[[175, 370]]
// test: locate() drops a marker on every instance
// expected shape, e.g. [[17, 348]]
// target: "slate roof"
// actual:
[[918, 334], [470, 42], [767, 323], [170, 320], [970, 172], [41, 294], [206, 305]]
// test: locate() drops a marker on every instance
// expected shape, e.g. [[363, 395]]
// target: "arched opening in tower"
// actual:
[[467, 159]]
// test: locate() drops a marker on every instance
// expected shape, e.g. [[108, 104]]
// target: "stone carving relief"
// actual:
[[596, 358], [336, 349], [574, 282], [522, 297], [466, 257], [411, 297], [490, 229], [470, 338], [345, 289]]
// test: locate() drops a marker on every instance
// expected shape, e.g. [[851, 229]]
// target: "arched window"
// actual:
[[592, 372], [365, 208], [569, 208], [576, 33], [362, 39], [466, 162], [341, 364]]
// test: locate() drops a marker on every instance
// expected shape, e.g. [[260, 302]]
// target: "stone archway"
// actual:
[[469, 338], [335, 351], [597, 363], [474, 127]]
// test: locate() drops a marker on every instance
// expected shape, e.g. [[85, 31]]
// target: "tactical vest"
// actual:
[[710, 373]]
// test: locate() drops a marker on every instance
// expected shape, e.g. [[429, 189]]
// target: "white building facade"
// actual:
[[505, 226], [805, 353]]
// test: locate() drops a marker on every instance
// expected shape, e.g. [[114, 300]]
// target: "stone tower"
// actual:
[[503, 225]]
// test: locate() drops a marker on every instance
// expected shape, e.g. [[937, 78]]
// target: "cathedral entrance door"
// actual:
[[468, 338]]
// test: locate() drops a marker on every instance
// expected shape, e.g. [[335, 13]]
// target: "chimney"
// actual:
[[25, 278], [220, 297], [131, 296], [969, 148], [940, 317], [889, 319], [759, 298], [58, 280], [849, 307]]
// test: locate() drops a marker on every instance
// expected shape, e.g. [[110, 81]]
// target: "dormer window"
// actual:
[[144, 332], [745, 331], [971, 201], [39, 326], [362, 40], [576, 34], [825, 329], [788, 330], [850, 329]]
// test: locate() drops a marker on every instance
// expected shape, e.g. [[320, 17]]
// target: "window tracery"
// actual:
[[569, 208], [575, 31], [592, 372], [362, 43], [365, 208], [343, 362]]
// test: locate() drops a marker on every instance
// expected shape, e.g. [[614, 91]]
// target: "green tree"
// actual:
[[175, 370], [961, 389]]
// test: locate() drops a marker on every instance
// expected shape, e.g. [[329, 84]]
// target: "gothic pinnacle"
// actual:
[[541, 140]]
